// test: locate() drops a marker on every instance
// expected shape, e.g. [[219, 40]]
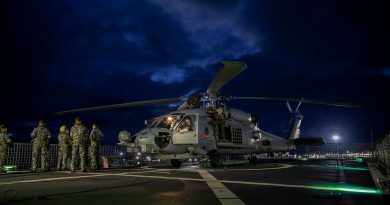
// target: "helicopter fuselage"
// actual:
[[185, 133]]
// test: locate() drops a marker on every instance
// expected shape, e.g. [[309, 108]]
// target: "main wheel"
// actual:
[[176, 163], [216, 161], [252, 160]]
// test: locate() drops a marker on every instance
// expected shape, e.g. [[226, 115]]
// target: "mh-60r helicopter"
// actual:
[[204, 126]]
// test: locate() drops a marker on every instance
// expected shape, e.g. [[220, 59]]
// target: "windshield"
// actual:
[[152, 123], [167, 122]]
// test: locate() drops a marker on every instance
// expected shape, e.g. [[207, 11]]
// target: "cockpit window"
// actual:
[[187, 124], [151, 123], [166, 122]]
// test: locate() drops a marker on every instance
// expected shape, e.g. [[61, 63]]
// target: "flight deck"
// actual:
[[269, 182]]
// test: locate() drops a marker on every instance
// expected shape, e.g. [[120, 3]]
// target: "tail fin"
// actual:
[[293, 127]]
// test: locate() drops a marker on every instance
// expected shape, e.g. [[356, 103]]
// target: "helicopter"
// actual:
[[204, 126]]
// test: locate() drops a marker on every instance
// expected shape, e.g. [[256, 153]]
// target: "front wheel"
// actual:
[[216, 161], [176, 163]]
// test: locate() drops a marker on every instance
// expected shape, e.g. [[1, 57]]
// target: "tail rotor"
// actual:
[[294, 123]]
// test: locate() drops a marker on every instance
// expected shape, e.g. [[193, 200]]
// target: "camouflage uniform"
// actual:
[[218, 123], [87, 152], [95, 137], [64, 142], [4, 142], [40, 139], [79, 136]]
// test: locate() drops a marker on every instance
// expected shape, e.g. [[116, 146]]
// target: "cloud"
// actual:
[[182, 35], [216, 30], [169, 75]]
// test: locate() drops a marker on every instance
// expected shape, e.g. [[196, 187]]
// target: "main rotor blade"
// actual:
[[125, 105], [301, 100], [230, 70]]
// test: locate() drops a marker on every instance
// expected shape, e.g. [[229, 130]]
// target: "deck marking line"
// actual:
[[285, 166], [232, 182], [50, 179], [159, 177], [175, 178], [223, 194]]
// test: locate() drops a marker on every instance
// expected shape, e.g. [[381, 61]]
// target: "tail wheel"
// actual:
[[216, 161], [176, 163]]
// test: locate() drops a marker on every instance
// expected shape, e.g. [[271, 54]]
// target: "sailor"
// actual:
[[95, 138], [5, 141], [40, 139], [64, 142], [218, 121], [79, 136], [187, 125]]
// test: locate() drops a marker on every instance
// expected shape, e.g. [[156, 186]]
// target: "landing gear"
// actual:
[[252, 160], [216, 161], [176, 163]]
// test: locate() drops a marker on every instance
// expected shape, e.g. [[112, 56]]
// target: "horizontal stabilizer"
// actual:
[[309, 141]]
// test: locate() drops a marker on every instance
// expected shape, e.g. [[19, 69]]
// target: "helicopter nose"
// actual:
[[162, 139], [151, 140], [146, 142]]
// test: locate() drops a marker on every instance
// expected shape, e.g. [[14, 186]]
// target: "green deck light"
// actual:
[[347, 188], [359, 159], [303, 158], [340, 167], [351, 168], [9, 168]]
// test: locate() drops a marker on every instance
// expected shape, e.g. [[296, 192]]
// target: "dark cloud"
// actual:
[[68, 54]]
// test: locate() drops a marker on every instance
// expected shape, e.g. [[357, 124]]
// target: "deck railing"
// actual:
[[20, 154]]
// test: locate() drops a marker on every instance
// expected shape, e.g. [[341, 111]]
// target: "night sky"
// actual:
[[60, 55]]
